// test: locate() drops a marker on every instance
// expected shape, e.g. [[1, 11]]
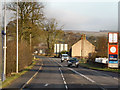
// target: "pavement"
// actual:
[[50, 73]]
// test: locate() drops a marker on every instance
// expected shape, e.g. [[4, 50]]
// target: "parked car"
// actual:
[[64, 57], [73, 62]]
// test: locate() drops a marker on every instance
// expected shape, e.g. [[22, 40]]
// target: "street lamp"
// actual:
[[4, 47]]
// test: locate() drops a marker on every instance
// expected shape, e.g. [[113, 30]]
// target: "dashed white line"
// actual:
[[59, 64], [63, 79]]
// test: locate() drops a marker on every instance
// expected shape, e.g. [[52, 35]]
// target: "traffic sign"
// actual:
[[113, 49], [113, 37], [113, 57], [113, 62]]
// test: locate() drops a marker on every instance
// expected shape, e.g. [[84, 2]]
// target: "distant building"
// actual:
[[83, 48], [60, 47]]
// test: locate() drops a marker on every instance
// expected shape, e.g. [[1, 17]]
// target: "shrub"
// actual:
[[25, 56]]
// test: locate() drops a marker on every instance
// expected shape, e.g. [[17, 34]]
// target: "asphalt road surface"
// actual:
[[50, 73]]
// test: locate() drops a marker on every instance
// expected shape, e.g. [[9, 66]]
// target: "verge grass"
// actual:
[[14, 76], [93, 66]]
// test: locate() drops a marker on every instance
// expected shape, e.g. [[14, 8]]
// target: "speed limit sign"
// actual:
[[113, 49]]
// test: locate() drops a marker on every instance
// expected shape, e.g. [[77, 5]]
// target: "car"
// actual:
[[64, 57], [73, 62]]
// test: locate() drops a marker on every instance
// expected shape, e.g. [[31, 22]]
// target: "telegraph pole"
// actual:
[[17, 41], [30, 42]]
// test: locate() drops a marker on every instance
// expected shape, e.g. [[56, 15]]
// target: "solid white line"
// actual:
[[82, 75], [115, 78], [46, 85], [32, 77], [106, 75], [63, 79]]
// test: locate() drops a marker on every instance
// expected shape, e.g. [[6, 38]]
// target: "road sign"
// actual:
[[113, 37], [113, 49], [113, 62], [113, 57]]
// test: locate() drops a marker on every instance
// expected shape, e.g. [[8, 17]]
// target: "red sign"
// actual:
[[113, 49]]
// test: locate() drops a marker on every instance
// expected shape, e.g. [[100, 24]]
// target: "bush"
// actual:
[[25, 56]]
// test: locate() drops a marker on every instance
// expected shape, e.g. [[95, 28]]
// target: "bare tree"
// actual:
[[102, 46], [30, 15], [53, 34]]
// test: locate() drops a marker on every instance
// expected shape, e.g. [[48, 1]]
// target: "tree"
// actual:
[[102, 46], [53, 34], [92, 39], [71, 38], [30, 16]]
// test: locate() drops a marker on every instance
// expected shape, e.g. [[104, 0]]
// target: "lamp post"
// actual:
[[0, 48], [4, 46]]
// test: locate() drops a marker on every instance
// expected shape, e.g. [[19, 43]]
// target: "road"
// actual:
[[50, 73]]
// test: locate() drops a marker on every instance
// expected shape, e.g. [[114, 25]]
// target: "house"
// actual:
[[83, 48]]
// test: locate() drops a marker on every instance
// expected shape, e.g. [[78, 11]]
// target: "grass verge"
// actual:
[[91, 66], [10, 79]]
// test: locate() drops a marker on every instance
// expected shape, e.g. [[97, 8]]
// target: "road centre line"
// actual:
[[58, 63], [63, 79], [94, 71], [79, 74], [31, 77], [82, 76]]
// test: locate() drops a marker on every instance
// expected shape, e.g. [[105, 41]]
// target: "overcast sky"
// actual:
[[82, 15], [93, 16]]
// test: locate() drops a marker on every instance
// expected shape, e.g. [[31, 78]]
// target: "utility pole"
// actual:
[[0, 45], [4, 47], [17, 41], [30, 41]]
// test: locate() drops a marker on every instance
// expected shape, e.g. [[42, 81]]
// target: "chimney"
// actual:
[[83, 37]]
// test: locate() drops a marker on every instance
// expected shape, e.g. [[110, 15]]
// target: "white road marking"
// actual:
[[63, 79], [59, 63], [46, 85], [106, 75], [82, 75], [32, 77], [115, 78]]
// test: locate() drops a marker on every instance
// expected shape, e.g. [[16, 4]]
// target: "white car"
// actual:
[[64, 57]]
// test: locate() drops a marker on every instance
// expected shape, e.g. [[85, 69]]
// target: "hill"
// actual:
[[89, 33]]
